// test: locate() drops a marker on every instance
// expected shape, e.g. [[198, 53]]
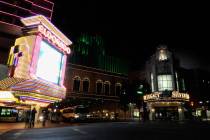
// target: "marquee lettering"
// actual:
[[176, 94], [152, 96], [44, 31]]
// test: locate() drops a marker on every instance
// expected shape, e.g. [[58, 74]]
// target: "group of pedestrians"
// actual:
[[30, 118]]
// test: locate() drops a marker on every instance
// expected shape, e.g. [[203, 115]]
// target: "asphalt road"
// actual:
[[116, 131]]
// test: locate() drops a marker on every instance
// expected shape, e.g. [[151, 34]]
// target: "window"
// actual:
[[76, 84], [117, 89], [162, 55], [99, 87], [85, 85], [107, 88], [165, 82]]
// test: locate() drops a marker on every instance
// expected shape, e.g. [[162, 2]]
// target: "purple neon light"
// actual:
[[41, 7], [15, 6], [13, 15], [52, 11], [49, 1], [10, 24], [35, 99]]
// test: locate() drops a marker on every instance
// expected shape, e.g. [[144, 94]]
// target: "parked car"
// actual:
[[76, 113]]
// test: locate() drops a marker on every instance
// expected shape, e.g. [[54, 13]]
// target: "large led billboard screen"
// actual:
[[49, 64]]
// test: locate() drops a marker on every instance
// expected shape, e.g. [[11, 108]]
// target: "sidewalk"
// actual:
[[5, 127]]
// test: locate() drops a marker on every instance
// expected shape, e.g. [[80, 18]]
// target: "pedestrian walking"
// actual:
[[27, 119], [33, 113], [45, 116]]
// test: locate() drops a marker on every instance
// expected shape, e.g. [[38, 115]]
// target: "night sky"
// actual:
[[133, 30]]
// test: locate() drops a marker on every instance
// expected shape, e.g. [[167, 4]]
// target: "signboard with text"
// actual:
[[174, 95]]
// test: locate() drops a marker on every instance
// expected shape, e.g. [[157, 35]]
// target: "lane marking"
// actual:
[[18, 134], [80, 131]]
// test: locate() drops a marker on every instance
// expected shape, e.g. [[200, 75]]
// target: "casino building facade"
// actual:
[[37, 63], [168, 94]]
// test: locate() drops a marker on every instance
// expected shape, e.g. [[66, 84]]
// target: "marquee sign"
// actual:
[[153, 96], [174, 96], [177, 95], [48, 30], [55, 40]]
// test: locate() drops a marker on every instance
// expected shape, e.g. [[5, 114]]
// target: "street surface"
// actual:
[[116, 131]]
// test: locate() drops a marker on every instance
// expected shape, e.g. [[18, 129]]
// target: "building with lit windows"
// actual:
[[11, 11], [93, 76], [168, 94], [89, 50], [174, 92], [95, 86]]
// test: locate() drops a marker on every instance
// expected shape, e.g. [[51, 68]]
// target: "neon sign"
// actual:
[[55, 40], [152, 96], [176, 94]]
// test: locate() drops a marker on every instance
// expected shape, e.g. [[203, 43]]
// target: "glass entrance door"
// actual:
[[166, 113]]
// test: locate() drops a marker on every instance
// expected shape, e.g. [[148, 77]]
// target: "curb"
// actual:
[[3, 131]]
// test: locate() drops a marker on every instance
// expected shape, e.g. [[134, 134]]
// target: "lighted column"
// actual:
[[152, 114], [181, 113]]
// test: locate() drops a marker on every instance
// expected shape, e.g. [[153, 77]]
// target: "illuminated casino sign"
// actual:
[[177, 95], [55, 40], [37, 63], [153, 96]]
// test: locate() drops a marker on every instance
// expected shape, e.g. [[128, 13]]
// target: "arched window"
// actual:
[[99, 87], [86, 83], [118, 87], [76, 85], [107, 88]]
